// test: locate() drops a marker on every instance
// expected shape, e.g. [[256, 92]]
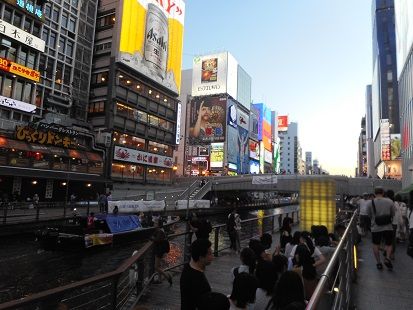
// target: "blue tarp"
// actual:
[[122, 223]]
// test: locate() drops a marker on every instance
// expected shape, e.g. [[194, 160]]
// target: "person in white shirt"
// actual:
[[248, 261], [402, 218], [363, 213]]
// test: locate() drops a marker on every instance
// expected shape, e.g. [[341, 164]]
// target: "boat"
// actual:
[[108, 229]]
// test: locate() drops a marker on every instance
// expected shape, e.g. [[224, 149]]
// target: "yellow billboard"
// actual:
[[151, 39]]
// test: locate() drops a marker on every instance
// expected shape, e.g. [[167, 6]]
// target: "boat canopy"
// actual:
[[122, 223]]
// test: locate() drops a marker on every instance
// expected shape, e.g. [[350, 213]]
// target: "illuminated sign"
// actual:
[[32, 135], [282, 122], [19, 70], [267, 156], [16, 104], [217, 155], [178, 124], [151, 39], [232, 166], [254, 167], [254, 148], [22, 36], [139, 157], [28, 6], [385, 139]]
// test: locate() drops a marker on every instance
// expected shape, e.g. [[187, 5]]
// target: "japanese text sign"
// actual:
[[16, 104], [20, 70], [28, 6], [32, 135], [22, 36], [139, 157]]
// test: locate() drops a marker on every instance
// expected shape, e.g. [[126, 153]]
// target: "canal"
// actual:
[[25, 269]]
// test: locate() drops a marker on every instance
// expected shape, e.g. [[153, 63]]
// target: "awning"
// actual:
[[14, 144], [94, 156], [77, 154]]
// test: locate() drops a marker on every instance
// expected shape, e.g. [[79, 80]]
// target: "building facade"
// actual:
[[371, 171], [289, 149], [385, 98], [362, 151], [404, 27], [308, 162], [134, 89]]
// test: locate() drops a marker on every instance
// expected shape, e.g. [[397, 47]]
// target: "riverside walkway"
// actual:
[[384, 289]]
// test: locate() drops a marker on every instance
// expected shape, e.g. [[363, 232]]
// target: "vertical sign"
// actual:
[[178, 124]]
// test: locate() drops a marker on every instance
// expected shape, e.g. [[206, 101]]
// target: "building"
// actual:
[[289, 149], [254, 143], [362, 151], [369, 134], [47, 145], [265, 137], [136, 78], [404, 36], [385, 99], [308, 162], [218, 120]]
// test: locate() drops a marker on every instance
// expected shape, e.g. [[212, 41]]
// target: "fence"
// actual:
[[121, 288], [334, 290]]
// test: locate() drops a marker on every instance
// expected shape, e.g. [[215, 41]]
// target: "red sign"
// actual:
[[283, 123]]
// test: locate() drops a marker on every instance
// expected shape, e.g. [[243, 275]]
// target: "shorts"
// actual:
[[386, 235]]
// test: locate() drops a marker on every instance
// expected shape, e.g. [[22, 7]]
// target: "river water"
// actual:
[[25, 269]]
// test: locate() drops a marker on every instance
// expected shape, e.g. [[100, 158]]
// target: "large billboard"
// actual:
[[254, 149], [404, 31], [151, 39], [396, 145], [385, 139], [207, 120], [214, 74], [217, 155], [282, 122], [264, 125]]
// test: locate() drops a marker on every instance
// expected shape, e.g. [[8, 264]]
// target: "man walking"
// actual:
[[363, 212], [193, 283], [381, 212]]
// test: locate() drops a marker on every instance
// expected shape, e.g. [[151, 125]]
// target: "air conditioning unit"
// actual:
[[104, 138]]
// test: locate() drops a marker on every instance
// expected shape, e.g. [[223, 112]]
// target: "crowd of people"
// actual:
[[266, 278], [389, 220]]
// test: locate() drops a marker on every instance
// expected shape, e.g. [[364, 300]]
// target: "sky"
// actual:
[[308, 59]]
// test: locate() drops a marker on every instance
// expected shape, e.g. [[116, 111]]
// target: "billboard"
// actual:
[[151, 39], [254, 167], [282, 122], [395, 146], [22, 36], [178, 124], [214, 74], [254, 149], [404, 31], [217, 155], [207, 120], [242, 156], [264, 124], [385, 139]]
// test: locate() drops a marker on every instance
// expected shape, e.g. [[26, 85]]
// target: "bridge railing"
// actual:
[[334, 290]]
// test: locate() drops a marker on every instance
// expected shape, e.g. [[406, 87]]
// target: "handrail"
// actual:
[[184, 193], [320, 290]]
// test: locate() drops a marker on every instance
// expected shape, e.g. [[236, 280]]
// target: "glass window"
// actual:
[[47, 10], [8, 13], [11, 53], [18, 91], [52, 40], [17, 21], [50, 68], [67, 75], [36, 29], [64, 20], [61, 45], [142, 117], [22, 56], [27, 92], [7, 87], [71, 25], [55, 16], [69, 48], [31, 60], [59, 73], [27, 25]]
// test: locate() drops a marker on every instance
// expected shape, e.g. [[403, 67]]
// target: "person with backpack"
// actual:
[[161, 247], [248, 261]]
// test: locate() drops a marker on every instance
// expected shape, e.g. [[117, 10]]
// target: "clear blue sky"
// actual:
[[310, 59]]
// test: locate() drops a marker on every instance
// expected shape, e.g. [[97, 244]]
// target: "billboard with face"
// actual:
[[214, 74], [207, 120], [151, 39]]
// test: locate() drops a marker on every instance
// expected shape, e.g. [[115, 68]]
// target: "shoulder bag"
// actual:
[[381, 220]]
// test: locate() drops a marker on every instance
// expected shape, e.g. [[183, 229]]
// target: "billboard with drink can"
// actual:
[[151, 39]]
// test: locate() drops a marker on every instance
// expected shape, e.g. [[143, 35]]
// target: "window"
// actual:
[[96, 107], [71, 25], [52, 39], [69, 48], [7, 87], [17, 21], [55, 16], [27, 92], [22, 56], [36, 29], [27, 25], [100, 78], [61, 45], [31, 60], [66, 79], [59, 73], [8, 13], [18, 91], [64, 20]]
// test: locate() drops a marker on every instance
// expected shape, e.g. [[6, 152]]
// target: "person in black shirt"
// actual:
[[193, 283]]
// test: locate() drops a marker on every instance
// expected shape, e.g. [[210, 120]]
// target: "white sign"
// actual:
[[178, 124], [21, 36], [139, 157], [133, 206], [214, 74], [193, 204], [264, 179], [267, 156], [16, 104]]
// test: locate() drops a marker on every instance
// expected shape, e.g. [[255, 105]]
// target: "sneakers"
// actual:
[[388, 264]]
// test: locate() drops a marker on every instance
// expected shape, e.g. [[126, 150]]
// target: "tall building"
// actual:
[[136, 78], [218, 119], [46, 144], [308, 162], [289, 149], [385, 99], [404, 35], [369, 134], [264, 137], [362, 151]]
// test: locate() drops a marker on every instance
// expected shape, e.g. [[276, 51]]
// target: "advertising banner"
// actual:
[[214, 74], [45, 137], [22, 36], [207, 120], [192, 204], [151, 39], [254, 167], [15, 68], [16, 104], [232, 115], [178, 124], [243, 120], [217, 155], [134, 206], [254, 149], [396, 145], [385, 139], [267, 156], [139, 157], [265, 179], [232, 145], [282, 122], [262, 157], [264, 124]]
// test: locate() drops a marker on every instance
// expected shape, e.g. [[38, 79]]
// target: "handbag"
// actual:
[[381, 220]]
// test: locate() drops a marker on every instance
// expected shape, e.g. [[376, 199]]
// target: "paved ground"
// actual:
[[384, 289]]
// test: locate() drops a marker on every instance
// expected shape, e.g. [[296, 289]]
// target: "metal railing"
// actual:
[[122, 288], [334, 290]]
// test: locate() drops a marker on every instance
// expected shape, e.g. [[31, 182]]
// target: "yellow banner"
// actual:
[[24, 72]]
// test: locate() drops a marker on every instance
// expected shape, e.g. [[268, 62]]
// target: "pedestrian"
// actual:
[[90, 224], [401, 224], [36, 201], [72, 200], [115, 210], [193, 282], [161, 247], [102, 201], [237, 220], [201, 227], [289, 290], [381, 212], [363, 215], [286, 236], [248, 262], [243, 292], [231, 229]]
